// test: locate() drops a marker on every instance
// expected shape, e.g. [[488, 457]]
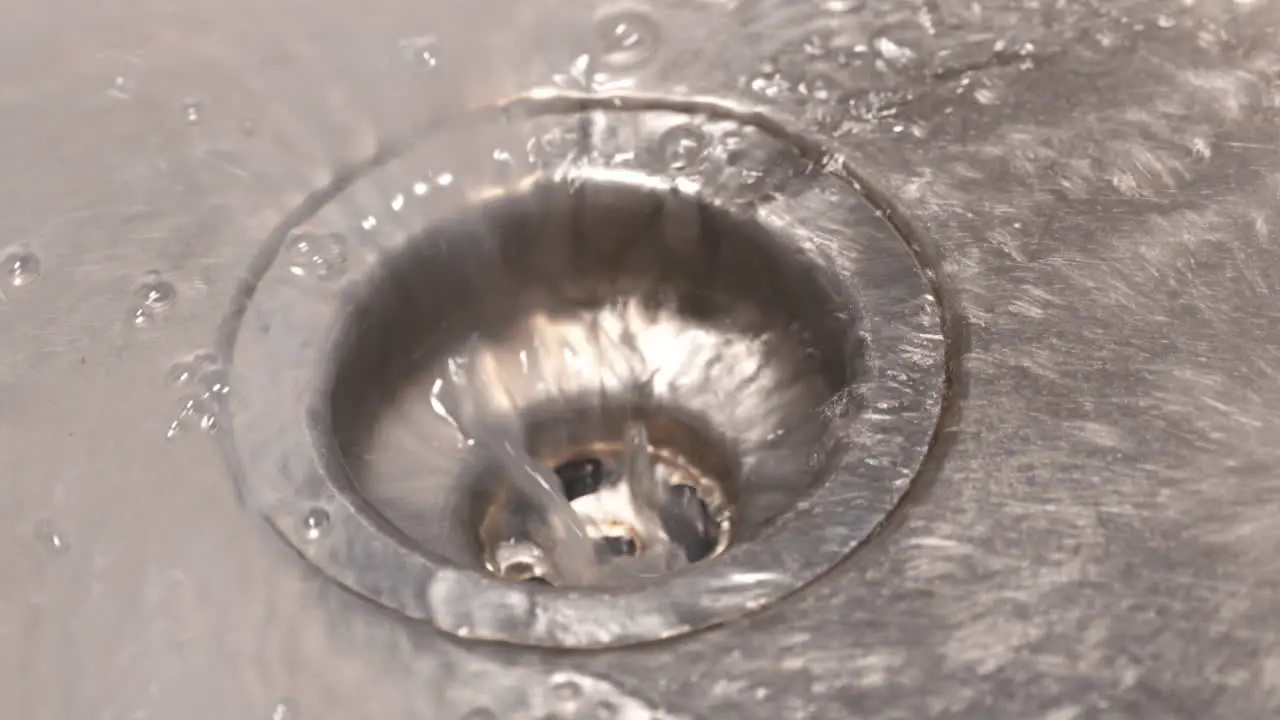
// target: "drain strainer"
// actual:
[[584, 378]]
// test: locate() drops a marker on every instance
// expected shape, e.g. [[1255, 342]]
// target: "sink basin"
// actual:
[[639, 360]]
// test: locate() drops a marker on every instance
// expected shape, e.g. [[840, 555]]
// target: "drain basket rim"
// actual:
[[283, 455]]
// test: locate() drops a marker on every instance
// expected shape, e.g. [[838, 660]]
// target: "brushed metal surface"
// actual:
[[1092, 537]]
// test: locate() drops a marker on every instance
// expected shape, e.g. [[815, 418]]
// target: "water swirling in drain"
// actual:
[[480, 393]]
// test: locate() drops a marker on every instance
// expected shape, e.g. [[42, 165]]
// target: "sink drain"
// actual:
[[652, 494], [535, 387]]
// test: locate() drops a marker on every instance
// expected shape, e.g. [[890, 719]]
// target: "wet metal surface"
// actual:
[[1091, 188], [817, 357]]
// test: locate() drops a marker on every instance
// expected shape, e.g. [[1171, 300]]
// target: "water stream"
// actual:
[[480, 393]]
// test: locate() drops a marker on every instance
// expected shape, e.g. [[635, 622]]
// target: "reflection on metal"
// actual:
[[778, 310]]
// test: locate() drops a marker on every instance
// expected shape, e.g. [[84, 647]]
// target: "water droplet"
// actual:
[[423, 51], [155, 293], [605, 710], [188, 369], [322, 256], [818, 87], [283, 710], [1165, 22], [21, 267], [48, 534], [181, 373], [842, 6], [191, 113], [566, 691], [197, 411], [682, 146], [120, 88], [479, 714], [627, 38], [248, 128], [215, 383], [893, 53], [315, 523]]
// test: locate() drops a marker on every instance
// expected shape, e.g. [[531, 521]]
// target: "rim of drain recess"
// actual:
[[280, 445]]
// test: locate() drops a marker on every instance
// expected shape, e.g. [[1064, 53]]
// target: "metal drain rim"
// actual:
[[282, 454]]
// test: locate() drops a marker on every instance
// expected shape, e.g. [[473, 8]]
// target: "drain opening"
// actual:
[[581, 476], [593, 383], [644, 507]]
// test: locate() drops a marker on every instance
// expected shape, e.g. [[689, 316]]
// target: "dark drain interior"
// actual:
[[696, 475], [585, 476], [529, 336]]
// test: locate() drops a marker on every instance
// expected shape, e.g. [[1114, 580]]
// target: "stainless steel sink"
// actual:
[[704, 359]]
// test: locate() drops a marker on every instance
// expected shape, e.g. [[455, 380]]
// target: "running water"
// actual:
[[649, 498], [481, 391], [455, 396]]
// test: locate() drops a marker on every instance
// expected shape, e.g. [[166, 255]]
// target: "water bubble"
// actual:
[[424, 51], [188, 369], [181, 373], [322, 256], [153, 296], [315, 523], [770, 84], [215, 383], [627, 38], [605, 710], [120, 88], [48, 534], [842, 6], [819, 87], [191, 112], [248, 128], [1165, 22], [197, 412], [21, 267], [682, 146], [155, 293]]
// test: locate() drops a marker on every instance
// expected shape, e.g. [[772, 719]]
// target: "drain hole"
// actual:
[[519, 570], [647, 490], [689, 523], [581, 477], [620, 546]]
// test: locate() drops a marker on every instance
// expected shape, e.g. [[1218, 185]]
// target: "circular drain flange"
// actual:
[[683, 199]]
